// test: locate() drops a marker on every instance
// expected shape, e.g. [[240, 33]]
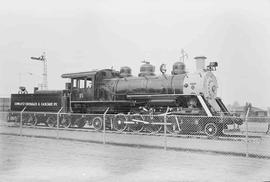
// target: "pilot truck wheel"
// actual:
[[211, 129]]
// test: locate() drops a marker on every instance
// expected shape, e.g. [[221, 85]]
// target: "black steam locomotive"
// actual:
[[133, 101]]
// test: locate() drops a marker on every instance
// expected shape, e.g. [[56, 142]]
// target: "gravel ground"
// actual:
[[35, 159]]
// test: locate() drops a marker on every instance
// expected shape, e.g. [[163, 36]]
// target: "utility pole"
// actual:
[[183, 56], [45, 79]]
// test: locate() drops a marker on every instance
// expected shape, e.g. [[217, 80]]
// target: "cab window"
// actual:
[[74, 84], [88, 83], [81, 84]]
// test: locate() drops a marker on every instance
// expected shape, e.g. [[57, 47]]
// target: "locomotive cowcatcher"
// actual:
[[189, 100]]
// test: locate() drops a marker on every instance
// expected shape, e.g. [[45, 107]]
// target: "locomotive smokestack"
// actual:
[[200, 63]]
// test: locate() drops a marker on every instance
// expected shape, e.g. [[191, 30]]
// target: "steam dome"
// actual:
[[147, 69], [125, 71], [179, 68]]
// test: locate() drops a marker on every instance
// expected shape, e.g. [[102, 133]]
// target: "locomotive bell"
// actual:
[[147, 69], [125, 71], [163, 68], [179, 68]]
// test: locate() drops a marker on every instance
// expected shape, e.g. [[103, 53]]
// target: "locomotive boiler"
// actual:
[[134, 100]]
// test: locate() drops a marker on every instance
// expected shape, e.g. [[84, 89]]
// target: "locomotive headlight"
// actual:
[[212, 66]]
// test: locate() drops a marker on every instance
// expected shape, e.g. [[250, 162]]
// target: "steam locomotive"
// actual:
[[132, 101]]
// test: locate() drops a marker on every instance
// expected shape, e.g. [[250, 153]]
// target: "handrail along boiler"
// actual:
[[191, 99]]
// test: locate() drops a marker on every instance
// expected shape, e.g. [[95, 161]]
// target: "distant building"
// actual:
[[4, 104], [254, 111]]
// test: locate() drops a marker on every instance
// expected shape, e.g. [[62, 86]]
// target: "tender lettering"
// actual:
[[38, 104]]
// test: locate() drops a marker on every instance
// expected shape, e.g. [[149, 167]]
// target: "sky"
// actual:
[[95, 34]]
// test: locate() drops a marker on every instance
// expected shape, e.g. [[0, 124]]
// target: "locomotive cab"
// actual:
[[88, 91], [85, 86], [82, 88]]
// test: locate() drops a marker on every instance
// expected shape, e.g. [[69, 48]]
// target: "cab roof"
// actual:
[[87, 74], [80, 74]]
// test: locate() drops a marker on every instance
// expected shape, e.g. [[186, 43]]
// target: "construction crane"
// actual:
[[45, 79]]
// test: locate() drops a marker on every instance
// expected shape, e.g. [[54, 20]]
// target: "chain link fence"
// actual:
[[246, 136]]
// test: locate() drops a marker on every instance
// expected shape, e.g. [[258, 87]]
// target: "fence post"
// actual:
[[165, 129], [21, 120], [268, 128], [104, 125], [246, 119], [57, 123]]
